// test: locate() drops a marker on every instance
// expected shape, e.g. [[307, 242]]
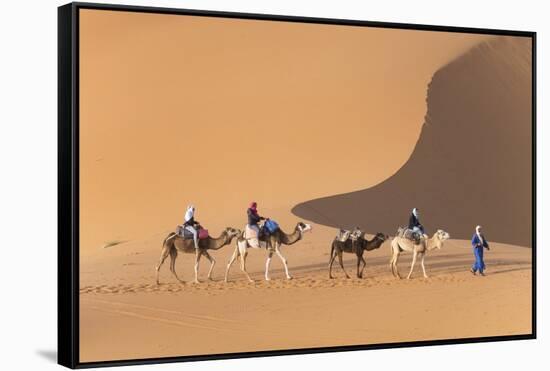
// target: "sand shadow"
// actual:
[[472, 162], [451, 263], [510, 270]]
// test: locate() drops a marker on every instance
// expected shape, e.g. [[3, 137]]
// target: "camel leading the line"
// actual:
[[354, 246], [174, 243], [273, 244], [400, 244]]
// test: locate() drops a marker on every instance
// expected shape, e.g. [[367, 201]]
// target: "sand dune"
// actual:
[[178, 110], [472, 162]]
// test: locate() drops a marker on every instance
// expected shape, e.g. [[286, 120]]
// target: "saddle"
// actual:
[[180, 231], [187, 235], [250, 233], [409, 234], [343, 235], [265, 230], [252, 236], [203, 234], [270, 226]]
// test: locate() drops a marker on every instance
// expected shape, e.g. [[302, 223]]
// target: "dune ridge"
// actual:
[[472, 162]]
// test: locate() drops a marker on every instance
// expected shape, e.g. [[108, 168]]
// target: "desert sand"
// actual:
[[280, 114], [124, 314]]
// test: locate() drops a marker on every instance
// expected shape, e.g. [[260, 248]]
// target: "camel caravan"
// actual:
[[192, 238], [265, 233]]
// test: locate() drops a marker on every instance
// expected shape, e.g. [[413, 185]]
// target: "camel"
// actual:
[[174, 243], [400, 244], [357, 247], [273, 243]]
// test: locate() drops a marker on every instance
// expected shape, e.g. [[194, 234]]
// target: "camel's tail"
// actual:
[[170, 236]]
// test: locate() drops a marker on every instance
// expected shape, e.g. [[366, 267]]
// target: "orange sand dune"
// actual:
[[216, 112], [472, 163]]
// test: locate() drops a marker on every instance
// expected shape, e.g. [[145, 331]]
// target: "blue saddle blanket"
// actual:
[[271, 225]]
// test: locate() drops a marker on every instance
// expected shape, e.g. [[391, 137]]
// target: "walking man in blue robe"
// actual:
[[479, 243]]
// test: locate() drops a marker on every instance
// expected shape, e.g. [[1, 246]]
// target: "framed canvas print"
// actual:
[[237, 185]]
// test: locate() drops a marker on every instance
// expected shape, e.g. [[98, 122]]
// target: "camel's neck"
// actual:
[[373, 244], [220, 242], [433, 243], [289, 239]]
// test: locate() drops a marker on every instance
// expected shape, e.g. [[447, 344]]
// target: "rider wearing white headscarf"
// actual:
[[190, 224]]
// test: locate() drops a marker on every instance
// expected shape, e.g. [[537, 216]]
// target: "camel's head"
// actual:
[[441, 236], [303, 227], [232, 232], [381, 237]]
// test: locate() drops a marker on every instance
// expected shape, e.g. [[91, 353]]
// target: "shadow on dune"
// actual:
[[472, 162]]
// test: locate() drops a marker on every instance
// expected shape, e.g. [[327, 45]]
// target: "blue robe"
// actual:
[[479, 264]]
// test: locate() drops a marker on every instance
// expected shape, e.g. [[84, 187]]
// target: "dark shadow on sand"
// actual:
[[472, 162]]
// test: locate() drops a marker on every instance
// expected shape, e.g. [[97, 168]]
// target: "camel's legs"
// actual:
[[332, 257], [243, 265], [395, 258], [364, 265], [233, 257], [395, 264], [267, 262], [342, 263], [212, 263], [412, 264], [163, 255], [396, 267], [198, 254], [422, 264], [173, 257], [283, 259]]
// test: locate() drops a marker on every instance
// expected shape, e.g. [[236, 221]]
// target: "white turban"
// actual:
[[190, 213], [478, 232]]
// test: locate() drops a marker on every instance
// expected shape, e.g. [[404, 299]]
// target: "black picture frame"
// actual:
[[68, 182]]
